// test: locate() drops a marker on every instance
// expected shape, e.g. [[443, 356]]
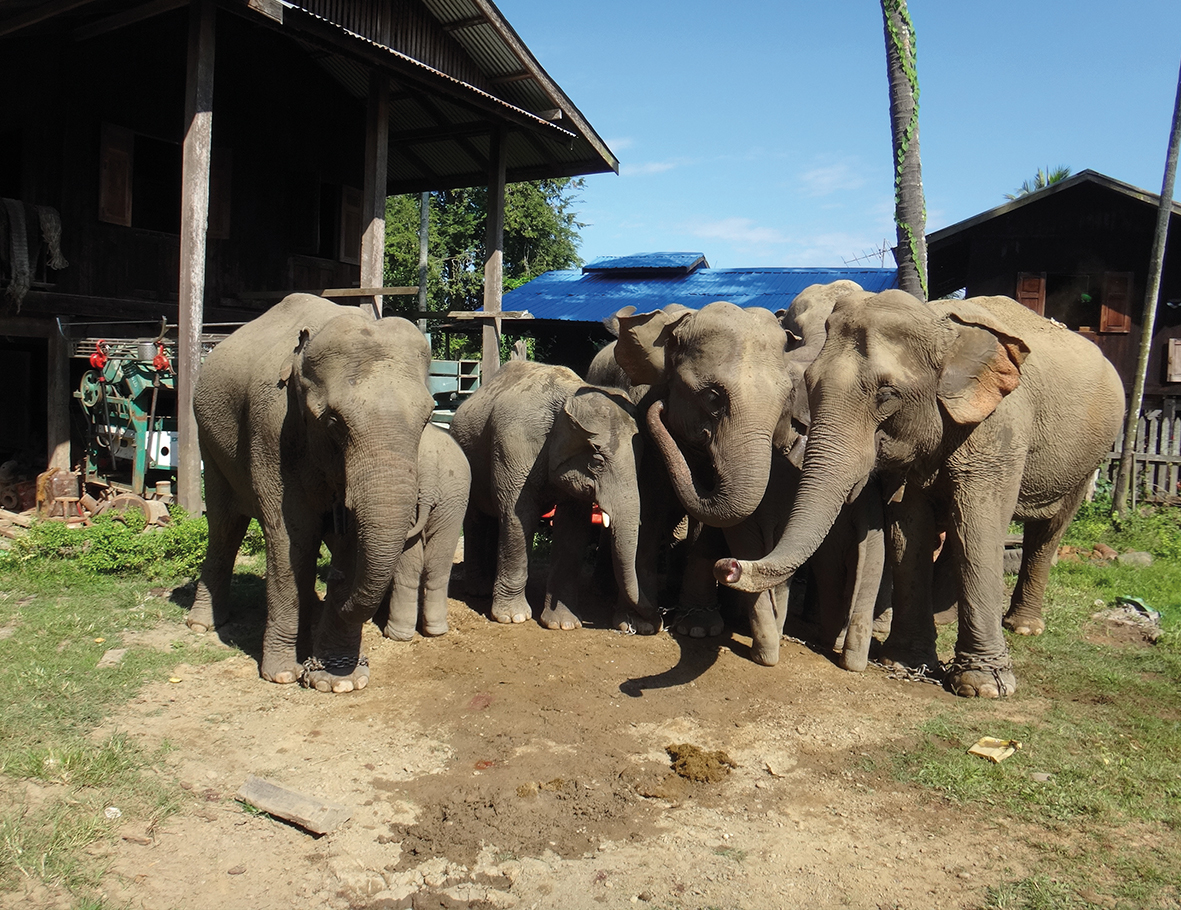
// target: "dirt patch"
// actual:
[[513, 766]]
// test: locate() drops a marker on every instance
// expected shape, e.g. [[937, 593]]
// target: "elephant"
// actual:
[[309, 419], [424, 570], [971, 413], [536, 434], [721, 415]]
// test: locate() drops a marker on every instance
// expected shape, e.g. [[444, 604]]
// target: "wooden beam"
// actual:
[[194, 222], [377, 137], [467, 22], [59, 398], [330, 292], [39, 14], [494, 247], [124, 19], [478, 315]]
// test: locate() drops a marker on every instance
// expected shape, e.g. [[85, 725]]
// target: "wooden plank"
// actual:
[[330, 292], [473, 315], [494, 248], [316, 815]]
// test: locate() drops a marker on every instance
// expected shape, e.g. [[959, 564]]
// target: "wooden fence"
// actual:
[[1158, 455]]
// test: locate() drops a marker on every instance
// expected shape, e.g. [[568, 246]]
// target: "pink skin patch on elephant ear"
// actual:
[[978, 374]]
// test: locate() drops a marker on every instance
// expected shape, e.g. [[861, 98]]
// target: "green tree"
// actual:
[[1041, 180], [910, 209], [540, 234]]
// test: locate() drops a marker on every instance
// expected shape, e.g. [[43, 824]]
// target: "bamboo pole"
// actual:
[[1148, 323]]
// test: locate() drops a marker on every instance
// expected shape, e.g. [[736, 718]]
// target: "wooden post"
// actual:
[[377, 137], [424, 238], [57, 391], [194, 221], [494, 263]]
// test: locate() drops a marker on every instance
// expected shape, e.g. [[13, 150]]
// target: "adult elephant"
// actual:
[[309, 419], [721, 412], [536, 435], [971, 413]]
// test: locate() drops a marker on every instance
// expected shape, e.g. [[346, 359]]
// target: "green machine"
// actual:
[[129, 399]]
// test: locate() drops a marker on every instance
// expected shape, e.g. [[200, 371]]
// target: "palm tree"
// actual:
[[1041, 180], [909, 206]]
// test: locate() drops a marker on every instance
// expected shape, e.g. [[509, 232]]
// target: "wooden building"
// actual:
[[1077, 251], [193, 161]]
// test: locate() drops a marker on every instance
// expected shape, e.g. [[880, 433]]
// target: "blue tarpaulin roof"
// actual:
[[650, 281]]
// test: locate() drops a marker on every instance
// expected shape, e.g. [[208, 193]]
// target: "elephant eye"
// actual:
[[888, 400], [713, 400], [597, 460]]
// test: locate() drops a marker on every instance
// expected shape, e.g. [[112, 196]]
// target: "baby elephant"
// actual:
[[536, 435], [420, 581]]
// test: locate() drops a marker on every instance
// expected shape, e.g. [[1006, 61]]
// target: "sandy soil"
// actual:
[[511, 766]]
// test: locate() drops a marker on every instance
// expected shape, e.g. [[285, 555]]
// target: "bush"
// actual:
[[120, 545]]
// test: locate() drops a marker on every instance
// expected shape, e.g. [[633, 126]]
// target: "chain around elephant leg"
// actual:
[[337, 664]]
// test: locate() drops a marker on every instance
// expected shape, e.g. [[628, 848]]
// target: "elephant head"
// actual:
[[894, 384], [727, 386], [594, 451], [362, 402]]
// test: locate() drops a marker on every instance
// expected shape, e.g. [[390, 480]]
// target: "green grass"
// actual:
[[66, 597], [1097, 712]]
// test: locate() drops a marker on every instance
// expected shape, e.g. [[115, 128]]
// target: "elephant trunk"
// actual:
[[835, 467], [739, 485], [624, 542], [381, 499]]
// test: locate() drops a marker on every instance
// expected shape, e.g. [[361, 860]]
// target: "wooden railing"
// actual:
[[1158, 455]]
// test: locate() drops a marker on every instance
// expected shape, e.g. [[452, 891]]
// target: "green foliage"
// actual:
[[119, 545], [1041, 180], [540, 235]]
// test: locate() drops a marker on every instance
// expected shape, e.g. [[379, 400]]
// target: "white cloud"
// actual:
[[832, 178], [620, 143], [646, 169], [741, 232]]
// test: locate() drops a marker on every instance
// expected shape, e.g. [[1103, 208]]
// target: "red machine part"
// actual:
[[160, 361], [98, 359]]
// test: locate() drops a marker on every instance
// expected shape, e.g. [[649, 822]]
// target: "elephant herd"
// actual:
[[883, 443]]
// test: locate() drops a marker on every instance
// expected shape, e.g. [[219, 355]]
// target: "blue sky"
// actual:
[[758, 132]]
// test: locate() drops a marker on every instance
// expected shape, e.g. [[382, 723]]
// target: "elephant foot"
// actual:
[[198, 626], [200, 618], [970, 678], [766, 655], [923, 661], [397, 633], [1024, 625], [435, 629], [514, 610], [701, 623], [284, 670], [633, 623], [559, 617], [341, 674]]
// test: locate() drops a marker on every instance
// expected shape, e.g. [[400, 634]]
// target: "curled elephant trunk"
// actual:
[[835, 470], [739, 486]]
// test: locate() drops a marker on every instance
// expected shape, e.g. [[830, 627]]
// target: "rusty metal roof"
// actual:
[[599, 290], [458, 73]]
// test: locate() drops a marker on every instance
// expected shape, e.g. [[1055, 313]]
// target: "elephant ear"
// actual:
[[611, 323], [289, 365], [644, 341], [982, 366]]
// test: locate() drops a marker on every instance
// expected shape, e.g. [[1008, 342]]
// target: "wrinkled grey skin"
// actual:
[[423, 573], [536, 435], [720, 417], [970, 414], [309, 419]]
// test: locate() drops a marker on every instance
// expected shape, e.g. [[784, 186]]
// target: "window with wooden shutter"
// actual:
[[1031, 291], [1173, 366], [1116, 313], [116, 163]]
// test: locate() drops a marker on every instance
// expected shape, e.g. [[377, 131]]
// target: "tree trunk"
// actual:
[[909, 205], [1148, 321]]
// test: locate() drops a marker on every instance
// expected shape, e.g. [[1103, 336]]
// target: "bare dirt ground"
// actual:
[[512, 766]]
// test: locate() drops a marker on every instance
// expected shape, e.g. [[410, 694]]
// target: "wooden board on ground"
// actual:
[[315, 815]]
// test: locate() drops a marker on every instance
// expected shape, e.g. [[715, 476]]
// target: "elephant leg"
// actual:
[[572, 535], [1039, 548], [291, 588], [864, 577], [518, 518], [479, 552], [982, 666], [699, 615], [404, 594], [227, 528], [439, 545], [911, 642]]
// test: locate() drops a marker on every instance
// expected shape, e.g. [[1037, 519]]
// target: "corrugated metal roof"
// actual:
[[648, 262], [592, 296]]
